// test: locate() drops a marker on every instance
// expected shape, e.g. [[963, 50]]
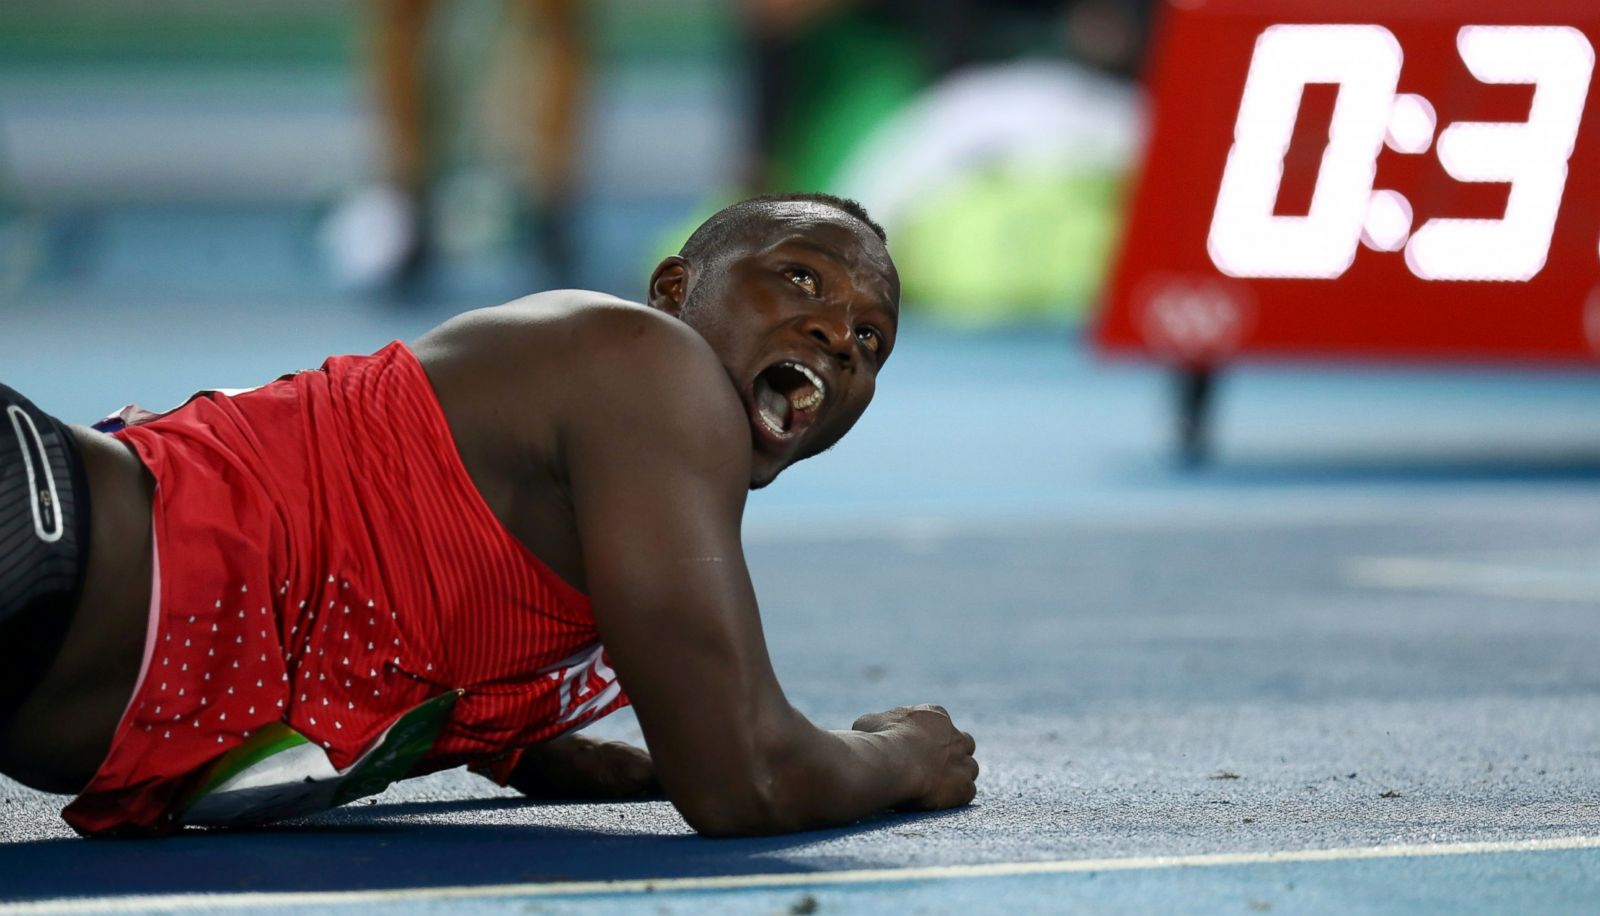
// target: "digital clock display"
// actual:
[[1352, 177]]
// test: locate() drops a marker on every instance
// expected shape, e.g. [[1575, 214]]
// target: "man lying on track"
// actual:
[[264, 604]]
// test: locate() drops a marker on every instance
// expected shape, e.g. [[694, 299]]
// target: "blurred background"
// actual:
[[209, 193], [429, 150]]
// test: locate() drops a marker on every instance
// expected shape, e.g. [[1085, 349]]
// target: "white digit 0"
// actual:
[[1532, 155], [1246, 238]]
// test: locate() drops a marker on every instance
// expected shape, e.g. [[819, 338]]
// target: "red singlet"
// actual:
[[325, 561]]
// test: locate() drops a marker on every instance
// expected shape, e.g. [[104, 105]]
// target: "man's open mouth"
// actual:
[[788, 397]]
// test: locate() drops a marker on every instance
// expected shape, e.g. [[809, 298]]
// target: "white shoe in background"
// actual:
[[371, 238]]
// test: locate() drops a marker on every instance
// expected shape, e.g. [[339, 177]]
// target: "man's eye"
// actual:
[[803, 278], [870, 338]]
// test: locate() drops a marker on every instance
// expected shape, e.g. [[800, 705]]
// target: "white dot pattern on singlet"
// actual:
[[223, 639]]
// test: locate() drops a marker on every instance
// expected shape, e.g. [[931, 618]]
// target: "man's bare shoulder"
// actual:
[[614, 343], [642, 385], [592, 358], [647, 366], [561, 319]]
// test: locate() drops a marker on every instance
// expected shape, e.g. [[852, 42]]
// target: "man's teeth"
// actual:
[[818, 390], [808, 400], [811, 377]]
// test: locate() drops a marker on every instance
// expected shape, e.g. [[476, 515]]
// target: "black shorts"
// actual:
[[44, 542]]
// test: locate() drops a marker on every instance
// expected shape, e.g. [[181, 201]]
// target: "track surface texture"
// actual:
[[1372, 621]]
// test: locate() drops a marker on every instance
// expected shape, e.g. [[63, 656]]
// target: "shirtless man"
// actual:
[[607, 449]]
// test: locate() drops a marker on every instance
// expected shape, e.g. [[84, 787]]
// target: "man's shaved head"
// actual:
[[798, 296], [736, 223]]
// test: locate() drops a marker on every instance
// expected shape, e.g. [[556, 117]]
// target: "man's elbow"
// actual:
[[734, 813], [766, 803], [719, 822]]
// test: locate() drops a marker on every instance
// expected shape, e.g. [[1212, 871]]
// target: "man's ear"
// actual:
[[669, 285]]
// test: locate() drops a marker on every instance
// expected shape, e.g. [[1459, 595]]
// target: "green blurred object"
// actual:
[[856, 73], [998, 247], [1005, 246]]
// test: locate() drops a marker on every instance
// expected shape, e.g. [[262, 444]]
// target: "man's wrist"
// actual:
[[906, 780]]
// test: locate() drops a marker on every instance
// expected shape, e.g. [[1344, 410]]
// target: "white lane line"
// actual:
[[182, 902], [1497, 580]]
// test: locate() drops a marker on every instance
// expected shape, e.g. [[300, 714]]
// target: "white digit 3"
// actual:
[[1246, 238], [1531, 155]]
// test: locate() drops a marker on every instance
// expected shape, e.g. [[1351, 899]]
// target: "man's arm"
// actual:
[[657, 448], [580, 768]]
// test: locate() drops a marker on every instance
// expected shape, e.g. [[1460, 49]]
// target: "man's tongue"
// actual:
[[773, 407]]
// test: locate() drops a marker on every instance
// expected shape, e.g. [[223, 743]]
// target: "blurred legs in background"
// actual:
[[374, 239], [378, 237], [552, 174]]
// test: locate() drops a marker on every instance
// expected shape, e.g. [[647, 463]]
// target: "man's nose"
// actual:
[[833, 335]]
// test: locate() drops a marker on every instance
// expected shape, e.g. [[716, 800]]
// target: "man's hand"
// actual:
[[944, 752], [576, 768]]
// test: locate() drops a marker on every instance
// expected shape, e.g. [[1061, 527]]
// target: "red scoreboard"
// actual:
[[1366, 178]]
